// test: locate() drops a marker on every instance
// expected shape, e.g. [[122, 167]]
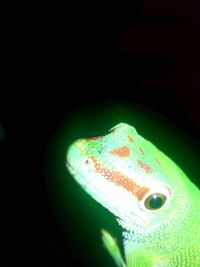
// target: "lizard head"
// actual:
[[129, 176]]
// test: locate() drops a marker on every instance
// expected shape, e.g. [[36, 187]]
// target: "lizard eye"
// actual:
[[155, 201]]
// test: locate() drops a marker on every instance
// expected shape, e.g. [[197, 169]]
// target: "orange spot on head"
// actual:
[[121, 152], [120, 179], [141, 150], [144, 166], [130, 138]]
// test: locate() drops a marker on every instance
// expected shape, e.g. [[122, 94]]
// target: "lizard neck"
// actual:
[[175, 240]]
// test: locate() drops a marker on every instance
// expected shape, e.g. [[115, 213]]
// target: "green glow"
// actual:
[[80, 217]]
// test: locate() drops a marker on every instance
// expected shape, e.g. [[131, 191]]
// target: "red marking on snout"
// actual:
[[94, 138], [144, 166], [141, 150], [120, 179], [130, 138], [121, 152]]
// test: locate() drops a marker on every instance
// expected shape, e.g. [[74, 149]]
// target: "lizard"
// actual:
[[155, 203]]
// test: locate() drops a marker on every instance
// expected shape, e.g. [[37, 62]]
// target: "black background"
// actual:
[[57, 56]]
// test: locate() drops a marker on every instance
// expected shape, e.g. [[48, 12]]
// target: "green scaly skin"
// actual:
[[155, 203]]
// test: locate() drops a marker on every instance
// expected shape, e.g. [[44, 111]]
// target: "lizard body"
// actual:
[[155, 203]]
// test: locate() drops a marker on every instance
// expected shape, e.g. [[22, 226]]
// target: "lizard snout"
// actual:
[[74, 155]]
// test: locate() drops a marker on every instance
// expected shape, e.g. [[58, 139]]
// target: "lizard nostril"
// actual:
[[88, 161]]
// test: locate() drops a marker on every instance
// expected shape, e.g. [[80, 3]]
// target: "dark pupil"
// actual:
[[156, 202]]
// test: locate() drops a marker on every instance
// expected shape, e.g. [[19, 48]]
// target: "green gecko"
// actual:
[[155, 203]]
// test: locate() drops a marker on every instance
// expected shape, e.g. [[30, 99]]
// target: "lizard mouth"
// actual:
[[74, 157], [70, 168], [76, 175]]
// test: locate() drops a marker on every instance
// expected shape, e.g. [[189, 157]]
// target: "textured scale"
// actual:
[[153, 200]]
